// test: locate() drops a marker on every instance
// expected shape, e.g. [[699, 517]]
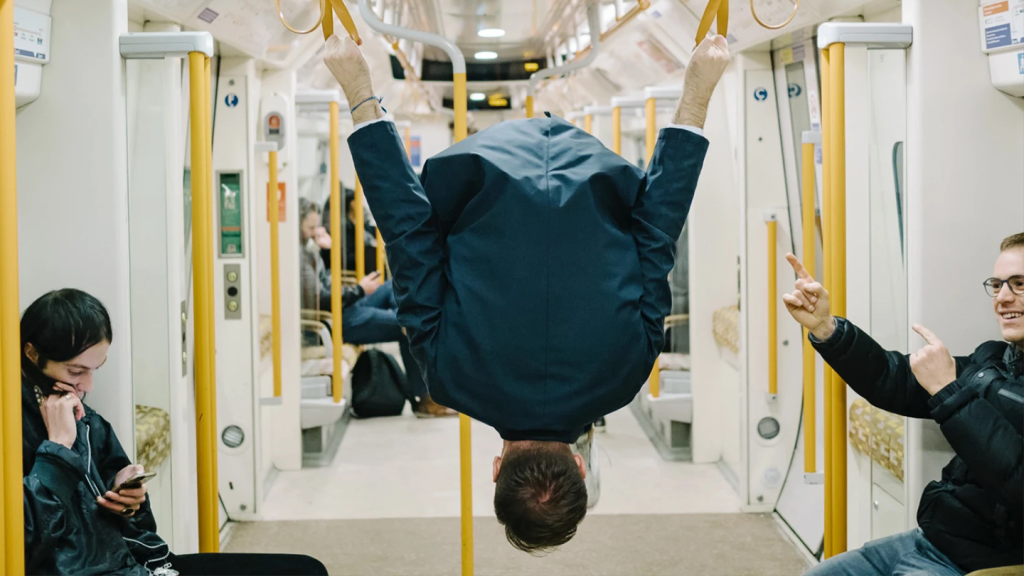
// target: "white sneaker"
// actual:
[[586, 446]]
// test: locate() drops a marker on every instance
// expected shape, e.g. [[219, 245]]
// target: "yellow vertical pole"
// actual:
[[529, 106], [201, 252], [360, 232], [337, 379], [12, 533], [211, 421], [465, 431], [773, 309], [837, 114], [617, 130], [588, 124], [650, 115], [808, 256], [826, 242], [273, 203]]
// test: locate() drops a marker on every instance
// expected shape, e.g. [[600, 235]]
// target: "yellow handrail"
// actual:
[[360, 217], [810, 402], [837, 219], [201, 294], [651, 135], [773, 309], [337, 379], [617, 130], [211, 421], [273, 200], [588, 123], [465, 429], [826, 243], [12, 527], [529, 106]]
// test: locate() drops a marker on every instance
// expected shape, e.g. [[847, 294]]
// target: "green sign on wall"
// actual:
[[230, 214]]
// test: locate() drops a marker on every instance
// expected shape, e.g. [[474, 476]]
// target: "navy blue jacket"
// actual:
[[531, 266]]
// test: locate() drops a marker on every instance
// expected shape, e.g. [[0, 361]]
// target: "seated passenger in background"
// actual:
[[531, 270], [369, 310], [77, 520], [369, 234], [973, 518]]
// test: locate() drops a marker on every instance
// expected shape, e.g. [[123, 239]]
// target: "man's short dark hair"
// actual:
[[62, 324], [540, 498], [1015, 241]]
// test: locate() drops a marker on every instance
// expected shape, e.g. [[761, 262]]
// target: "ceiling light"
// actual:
[[477, 96], [491, 33], [485, 55]]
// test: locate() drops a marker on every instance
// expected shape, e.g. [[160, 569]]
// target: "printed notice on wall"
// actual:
[[1002, 24]]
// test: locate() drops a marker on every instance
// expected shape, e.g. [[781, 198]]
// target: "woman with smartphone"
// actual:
[[86, 510]]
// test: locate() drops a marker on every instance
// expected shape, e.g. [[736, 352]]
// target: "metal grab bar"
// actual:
[[618, 104], [809, 256], [773, 306], [337, 379], [12, 522], [273, 202], [360, 231], [202, 288], [460, 105], [826, 273], [651, 97], [594, 20]]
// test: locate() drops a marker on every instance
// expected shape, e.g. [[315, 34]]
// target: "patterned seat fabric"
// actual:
[[726, 323], [152, 436]]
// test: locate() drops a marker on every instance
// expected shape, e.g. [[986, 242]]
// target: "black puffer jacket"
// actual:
[[66, 531], [975, 513]]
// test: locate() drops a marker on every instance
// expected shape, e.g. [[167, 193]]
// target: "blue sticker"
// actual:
[[795, 90], [998, 36], [760, 94], [1020, 63], [231, 100]]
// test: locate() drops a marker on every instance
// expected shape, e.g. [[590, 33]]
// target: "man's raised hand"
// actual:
[[932, 365], [707, 64], [808, 304], [345, 61]]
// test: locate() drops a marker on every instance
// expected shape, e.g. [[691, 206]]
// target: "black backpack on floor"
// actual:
[[378, 385]]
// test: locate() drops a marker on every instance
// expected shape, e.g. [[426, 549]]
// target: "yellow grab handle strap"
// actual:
[[719, 8], [327, 23], [346, 21]]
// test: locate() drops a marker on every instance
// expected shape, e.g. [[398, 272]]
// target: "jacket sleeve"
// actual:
[[882, 377], [409, 227], [49, 489], [981, 436], [657, 221]]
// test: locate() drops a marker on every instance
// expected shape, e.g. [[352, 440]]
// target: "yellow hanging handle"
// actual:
[[325, 20], [753, 12], [346, 20], [715, 8]]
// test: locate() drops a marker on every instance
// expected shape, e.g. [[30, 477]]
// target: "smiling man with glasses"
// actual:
[[973, 518]]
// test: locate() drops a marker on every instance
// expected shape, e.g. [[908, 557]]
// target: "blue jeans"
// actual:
[[906, 554], [373, 320]]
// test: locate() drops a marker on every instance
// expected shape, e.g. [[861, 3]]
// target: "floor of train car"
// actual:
[[389, 505]]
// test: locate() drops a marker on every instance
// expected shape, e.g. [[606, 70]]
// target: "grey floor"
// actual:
[[614, 545]]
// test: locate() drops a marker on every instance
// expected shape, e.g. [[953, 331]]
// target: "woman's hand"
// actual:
[[322, 238], [370, 283], [126, 501], [79, 408], [808, 304], [58, 412]]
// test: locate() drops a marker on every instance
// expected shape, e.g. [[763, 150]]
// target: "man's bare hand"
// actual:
[[706, 67]]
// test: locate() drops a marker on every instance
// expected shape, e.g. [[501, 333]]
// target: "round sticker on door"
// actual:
[[231, 100], [795, 90], [760, 94]]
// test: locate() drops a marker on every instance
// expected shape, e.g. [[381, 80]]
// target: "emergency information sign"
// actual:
[[1002, 24]]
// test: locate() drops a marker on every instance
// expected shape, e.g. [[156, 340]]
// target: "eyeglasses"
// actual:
[[994, 285]]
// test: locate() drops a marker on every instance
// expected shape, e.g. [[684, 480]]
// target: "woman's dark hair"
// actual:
[[540, 498], [62, 324]]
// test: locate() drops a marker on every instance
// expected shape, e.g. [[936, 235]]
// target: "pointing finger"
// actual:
[[927, 334], [798, 267]]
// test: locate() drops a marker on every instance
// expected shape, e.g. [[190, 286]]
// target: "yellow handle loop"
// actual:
[[719, 8], [753, 12], [280, 16], [326, 20]]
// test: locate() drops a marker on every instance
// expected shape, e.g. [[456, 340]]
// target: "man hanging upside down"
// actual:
[[531, 271]]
